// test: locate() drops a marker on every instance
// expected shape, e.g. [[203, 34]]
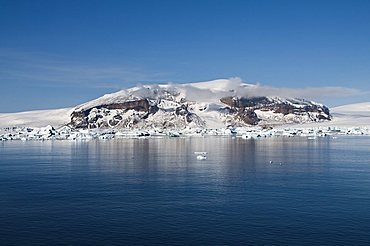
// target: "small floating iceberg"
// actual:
[[174, 134], [201, 155]]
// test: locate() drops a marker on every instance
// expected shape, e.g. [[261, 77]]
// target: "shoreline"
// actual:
[[67, 133]]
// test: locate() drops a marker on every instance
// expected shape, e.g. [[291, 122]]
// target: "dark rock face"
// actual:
[[114, 115], [244, 102], [190, 117], [117, 117], [246, 106], [285, 109], [79, 119], [138, 105], [113, 122], [248, 116], [84, 118], [142, 111], [228, 101], [182, 110]]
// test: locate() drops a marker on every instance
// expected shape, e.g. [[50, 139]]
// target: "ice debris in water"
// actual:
[[68, 133]]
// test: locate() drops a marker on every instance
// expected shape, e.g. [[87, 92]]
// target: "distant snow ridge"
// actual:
[[213, 104]]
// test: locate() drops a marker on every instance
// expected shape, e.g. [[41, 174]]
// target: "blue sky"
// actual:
[[62, 53]]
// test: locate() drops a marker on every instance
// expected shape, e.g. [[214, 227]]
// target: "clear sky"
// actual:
[[62, 53]]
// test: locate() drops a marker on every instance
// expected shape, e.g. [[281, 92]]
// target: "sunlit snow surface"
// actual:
[[38, 118], [205, 103]]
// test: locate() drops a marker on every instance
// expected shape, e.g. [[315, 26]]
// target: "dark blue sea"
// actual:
[[155, 192]]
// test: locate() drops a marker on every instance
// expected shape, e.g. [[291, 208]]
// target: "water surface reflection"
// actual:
[[154, 191]]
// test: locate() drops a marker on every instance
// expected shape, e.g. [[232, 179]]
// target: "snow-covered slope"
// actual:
[[37, 118], [357, 108], [352, 115], [347, 116], [211, 104]]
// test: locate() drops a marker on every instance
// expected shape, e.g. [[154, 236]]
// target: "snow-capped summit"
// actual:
[[212, 104]]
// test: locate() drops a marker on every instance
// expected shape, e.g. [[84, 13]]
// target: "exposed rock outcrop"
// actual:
[[170, 107]]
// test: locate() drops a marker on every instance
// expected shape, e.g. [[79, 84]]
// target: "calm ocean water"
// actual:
[[154, 191]]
